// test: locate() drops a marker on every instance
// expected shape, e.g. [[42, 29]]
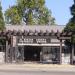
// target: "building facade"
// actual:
[[42, 44]]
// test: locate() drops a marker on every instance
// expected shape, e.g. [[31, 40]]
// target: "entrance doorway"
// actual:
[[32, 53]]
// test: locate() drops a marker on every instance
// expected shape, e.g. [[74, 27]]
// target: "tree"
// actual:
[[71, 25], [32, 12], [12, 16], [2, 24]]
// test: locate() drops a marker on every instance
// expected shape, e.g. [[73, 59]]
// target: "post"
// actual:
[[41, 55], [6, 52], [72, 54], [22, 51], [60, 51], [16, 50], [10, 59], [11, 50]]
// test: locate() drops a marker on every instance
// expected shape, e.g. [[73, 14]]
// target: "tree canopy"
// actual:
[[12, 15], [2, 24], [71, 25], [31, 12]]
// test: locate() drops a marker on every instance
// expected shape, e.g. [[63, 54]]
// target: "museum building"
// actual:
[[40, 44]]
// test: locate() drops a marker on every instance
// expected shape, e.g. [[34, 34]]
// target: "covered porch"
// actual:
[[45, 47]]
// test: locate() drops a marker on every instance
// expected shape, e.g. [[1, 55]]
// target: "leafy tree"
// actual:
[[71, 25], [12, 16], [32, 12], [2, 24]]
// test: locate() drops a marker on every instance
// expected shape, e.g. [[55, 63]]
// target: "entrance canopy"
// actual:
[[30, 34], [36, 31]]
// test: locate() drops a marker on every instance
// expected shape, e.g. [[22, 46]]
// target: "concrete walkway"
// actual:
[[36, 67]]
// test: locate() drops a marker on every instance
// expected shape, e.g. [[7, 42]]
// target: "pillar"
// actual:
[[41, 55], [16, 50], [22, 51], [6, 52], [11, 50], [72, 54], [60, 51], [10, 59]]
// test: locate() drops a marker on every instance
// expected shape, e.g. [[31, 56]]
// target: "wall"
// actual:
[[2, 57]]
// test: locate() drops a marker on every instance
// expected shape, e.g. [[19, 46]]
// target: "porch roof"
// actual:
[[34, 28]]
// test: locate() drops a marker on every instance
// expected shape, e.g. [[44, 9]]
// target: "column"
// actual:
[[41, 55], [6, 52], [10, 59], [60, 51], [72, 54], [16, 51], [22, 51], [11, 50]]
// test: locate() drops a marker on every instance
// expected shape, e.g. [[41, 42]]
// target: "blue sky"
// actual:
[[60, 9]]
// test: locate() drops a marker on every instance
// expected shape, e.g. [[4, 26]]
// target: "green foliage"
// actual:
[[73, 9], [32, 12], [45, 17], [71, 24], [71, 27], [2, 24], [12, 16]]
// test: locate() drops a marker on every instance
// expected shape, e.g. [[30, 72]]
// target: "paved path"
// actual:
[[35, 73], [37, 67]]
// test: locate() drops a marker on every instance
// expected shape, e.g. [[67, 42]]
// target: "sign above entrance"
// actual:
[[34, 41]]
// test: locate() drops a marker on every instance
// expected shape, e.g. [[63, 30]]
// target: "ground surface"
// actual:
[[36, 69], [35, 73]]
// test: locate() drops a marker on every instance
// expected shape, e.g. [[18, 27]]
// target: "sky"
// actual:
[[60, 9]]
